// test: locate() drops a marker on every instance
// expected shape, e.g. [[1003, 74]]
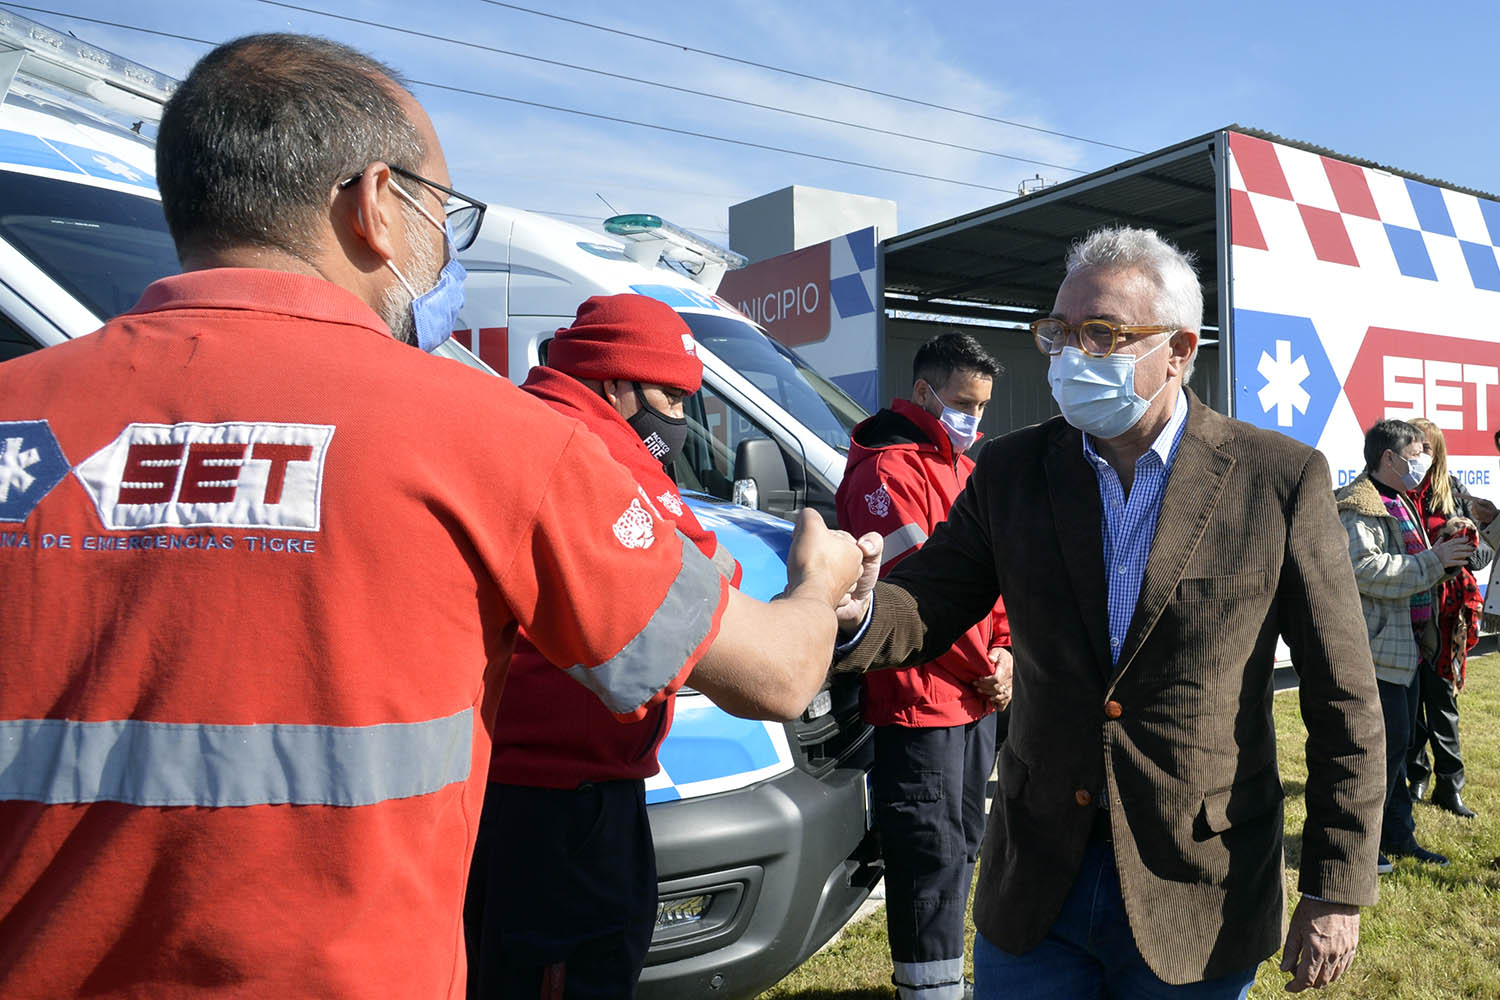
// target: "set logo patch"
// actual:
[[633, 529], [672, 502], [240, 475], [879, 502], [31, 463]]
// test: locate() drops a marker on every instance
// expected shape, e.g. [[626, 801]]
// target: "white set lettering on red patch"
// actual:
[[633, 529], [879, 502], [233, 475]]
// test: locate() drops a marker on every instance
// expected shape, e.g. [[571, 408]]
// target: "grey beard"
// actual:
[[422, 271]]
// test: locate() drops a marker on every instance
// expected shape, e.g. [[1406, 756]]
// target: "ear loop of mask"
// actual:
[[390, 262]]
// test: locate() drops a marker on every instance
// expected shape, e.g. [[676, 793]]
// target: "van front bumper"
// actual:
[[785, 863]]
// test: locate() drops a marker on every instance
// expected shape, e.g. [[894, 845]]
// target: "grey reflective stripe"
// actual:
[[943, 972], [902, 540], [947, 991], [650, 660], [175, 764]]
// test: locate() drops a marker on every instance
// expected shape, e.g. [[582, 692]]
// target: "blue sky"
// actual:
[[1408, 85]]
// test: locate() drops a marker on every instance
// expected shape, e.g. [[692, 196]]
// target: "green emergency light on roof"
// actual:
[[631, 225], [650, 237]]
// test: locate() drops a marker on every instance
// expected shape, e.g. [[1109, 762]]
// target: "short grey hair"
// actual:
[[1179, 296], [255, 138]]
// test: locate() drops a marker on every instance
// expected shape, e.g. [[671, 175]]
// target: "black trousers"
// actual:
[[929, 789], [1437, 725], [562, 892]]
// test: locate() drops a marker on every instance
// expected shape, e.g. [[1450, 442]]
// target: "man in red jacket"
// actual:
[[258, 593], [935, 723], [563, 885]]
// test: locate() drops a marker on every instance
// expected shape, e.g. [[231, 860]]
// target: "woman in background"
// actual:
[[1447, 508]]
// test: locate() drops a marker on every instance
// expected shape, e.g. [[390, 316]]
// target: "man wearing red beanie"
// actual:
[[562, 891]]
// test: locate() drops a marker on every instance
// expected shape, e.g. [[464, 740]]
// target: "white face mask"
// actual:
[[1097, 395], [962, 428]]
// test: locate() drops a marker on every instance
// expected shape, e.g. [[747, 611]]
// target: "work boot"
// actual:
[[1419, 790], [1447, 797]]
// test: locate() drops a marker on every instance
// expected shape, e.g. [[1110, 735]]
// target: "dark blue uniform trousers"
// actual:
[[562, 893], [929, 791]]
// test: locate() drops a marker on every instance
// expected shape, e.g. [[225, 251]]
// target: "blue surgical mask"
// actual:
[[1416, 471], [435, 311], [962, 428], [1097, 395]]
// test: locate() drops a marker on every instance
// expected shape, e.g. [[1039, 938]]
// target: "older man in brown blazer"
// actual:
[[1149, 551]]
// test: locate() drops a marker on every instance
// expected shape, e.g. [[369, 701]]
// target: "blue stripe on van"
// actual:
[[29, 151]]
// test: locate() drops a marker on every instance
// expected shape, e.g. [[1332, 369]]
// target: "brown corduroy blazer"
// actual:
[[1179, 734]]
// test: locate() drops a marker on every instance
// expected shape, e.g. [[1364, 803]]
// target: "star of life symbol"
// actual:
[[879, 502], [116, 167], [1284, 378], [670, 501], [633, 529], [13, 465]]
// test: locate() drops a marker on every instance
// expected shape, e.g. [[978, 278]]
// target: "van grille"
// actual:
[[838, 739]]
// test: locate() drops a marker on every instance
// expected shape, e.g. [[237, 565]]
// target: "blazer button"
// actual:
[[1082, 797], [1112, 710]]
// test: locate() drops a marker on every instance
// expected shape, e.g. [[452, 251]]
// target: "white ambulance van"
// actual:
[[766, 430], [761, 829]]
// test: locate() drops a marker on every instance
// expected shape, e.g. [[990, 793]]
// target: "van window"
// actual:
[[14, 341], [758, 359], [715, 429], [102, 246]]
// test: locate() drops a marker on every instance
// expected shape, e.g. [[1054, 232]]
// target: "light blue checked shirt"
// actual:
[[1129, 524]]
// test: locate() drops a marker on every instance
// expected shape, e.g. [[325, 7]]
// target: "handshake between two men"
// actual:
[[771, 659]]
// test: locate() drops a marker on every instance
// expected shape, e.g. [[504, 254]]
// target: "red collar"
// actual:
[[282, 292]]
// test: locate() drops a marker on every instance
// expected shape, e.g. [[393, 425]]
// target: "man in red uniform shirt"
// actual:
[[564, 771], [258, 593], [935, 723]]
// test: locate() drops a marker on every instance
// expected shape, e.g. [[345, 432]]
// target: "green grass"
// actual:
[[1434, 935]]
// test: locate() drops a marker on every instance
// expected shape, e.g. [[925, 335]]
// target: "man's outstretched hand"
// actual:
[[822, 563], [856, 603]]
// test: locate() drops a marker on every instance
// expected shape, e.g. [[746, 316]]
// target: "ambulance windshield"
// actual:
[[815, 402], [103, 246]]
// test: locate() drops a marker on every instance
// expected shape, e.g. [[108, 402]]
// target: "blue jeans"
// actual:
[[1398, 704], [1089, 953]]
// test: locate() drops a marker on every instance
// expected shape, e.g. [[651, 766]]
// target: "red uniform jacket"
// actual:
[[901, 479], [552, 733], [259, 594]]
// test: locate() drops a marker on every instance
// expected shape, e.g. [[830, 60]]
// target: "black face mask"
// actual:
[[663, 436]]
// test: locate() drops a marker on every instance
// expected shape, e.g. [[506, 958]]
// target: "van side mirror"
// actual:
[[760, 478]]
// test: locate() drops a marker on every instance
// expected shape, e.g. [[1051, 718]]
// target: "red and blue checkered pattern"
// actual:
[[1292, 200]]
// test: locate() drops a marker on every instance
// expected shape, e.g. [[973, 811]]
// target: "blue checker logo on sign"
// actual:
[[31, 463], [1483, 267], [1286, 382]]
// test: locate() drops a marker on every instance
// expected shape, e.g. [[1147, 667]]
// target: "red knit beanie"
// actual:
[[634, 338]]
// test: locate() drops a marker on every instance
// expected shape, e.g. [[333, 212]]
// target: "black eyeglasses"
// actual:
[[464, 214]]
